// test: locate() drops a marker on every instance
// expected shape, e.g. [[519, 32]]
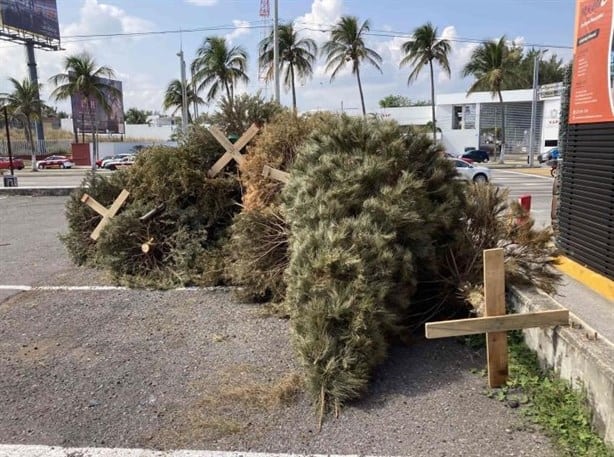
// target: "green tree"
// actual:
[[421, 50], [394, 101], [135, 116], [550, 70], [347, 44], [24, 103], [219, 67], [173, 98], [296, 57], [494, 65], [82, 76]]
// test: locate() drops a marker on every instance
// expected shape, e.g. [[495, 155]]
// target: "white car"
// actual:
[[120, 163], [470, 172]]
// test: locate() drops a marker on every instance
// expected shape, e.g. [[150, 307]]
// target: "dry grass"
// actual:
[[231, 403]]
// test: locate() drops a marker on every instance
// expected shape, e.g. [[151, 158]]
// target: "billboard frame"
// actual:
[[17, 35]]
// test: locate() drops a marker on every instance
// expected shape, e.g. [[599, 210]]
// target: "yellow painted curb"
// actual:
[[600, 284], [535, 171]]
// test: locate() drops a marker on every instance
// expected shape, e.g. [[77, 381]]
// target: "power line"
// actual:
[[253, 25]]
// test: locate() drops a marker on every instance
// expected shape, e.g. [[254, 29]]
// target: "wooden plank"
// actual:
[[246, 137], [108, 214], [276, 174], [219, 165], [221, 138], [89, 201], [494, 298], [491, 324]]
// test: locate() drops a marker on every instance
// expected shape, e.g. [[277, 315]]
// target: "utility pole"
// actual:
[[534, 108], [276, 48], [38, 124], [184, 93]]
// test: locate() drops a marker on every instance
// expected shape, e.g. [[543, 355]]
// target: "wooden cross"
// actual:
[[107, 214], [233, 151], [276, 174], [495, 322]]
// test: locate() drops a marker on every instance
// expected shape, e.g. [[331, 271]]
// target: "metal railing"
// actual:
[[43, 148]]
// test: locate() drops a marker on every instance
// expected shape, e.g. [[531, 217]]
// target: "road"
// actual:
[[52, 178], [538, 187], [519, 183]]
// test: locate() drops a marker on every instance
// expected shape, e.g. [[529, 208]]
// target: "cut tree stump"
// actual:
[[495, 322]]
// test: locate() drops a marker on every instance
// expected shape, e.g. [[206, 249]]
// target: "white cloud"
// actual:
[[100, 18], [202, 2], [323, 13], [241, 28]]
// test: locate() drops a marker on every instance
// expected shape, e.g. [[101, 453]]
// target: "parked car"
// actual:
[[477, 155], [120, 163], [550, 154], [470, 172], [100, 163], [55, 162], [5, 163]]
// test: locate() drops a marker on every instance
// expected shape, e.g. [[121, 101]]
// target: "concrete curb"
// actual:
[[37, 191], [577, 353]]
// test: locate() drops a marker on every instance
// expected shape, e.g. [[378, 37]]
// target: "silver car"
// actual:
[[470, 172]]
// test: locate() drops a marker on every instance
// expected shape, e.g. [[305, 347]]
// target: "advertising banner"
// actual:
[[593, 76], [37, 17], [111, 121]]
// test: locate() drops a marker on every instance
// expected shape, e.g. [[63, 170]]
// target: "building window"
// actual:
[[463, 117]]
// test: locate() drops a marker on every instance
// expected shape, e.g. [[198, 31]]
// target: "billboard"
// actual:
[[36, 17], [593, 67], [111, 121]]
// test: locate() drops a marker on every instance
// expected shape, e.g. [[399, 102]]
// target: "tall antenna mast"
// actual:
[[265, 9]]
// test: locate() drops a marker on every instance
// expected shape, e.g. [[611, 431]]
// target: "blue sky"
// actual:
[[147, 63]]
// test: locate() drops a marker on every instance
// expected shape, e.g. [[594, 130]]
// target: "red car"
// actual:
[[55, 162], [6, 165]]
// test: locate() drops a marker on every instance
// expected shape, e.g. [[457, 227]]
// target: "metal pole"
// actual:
[[276, 48], [193, 84], [40, 134], [184, 93], [8, 139], [533, 109]]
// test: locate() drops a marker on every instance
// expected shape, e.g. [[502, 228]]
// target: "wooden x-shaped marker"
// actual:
[[107, 214], [276, 174], [496, 323], [233, 151]]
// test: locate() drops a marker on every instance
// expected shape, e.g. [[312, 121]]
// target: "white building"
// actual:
[[469, 121]]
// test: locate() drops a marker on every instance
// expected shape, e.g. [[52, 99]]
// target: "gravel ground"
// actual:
[[201, 370]]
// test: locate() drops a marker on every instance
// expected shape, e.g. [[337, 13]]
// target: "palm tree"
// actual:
[[422, 49], [347, 44], [296, 55], [173, 98], [24, 103], [85, 78], [219, 67], [493, 64]]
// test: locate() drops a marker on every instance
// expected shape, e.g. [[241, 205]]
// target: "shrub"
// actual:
[[186, 235]]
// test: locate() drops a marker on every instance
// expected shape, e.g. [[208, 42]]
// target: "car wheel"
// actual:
[[112, 167], [62, 165], [480, 178], [41, 166]]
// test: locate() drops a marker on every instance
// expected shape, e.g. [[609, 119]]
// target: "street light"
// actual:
[[8, 139]]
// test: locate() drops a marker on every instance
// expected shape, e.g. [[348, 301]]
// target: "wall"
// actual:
[[140, 131], [550, 122], [112, 148]]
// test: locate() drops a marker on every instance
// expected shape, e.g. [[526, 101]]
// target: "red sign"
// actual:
[[591, 86]]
